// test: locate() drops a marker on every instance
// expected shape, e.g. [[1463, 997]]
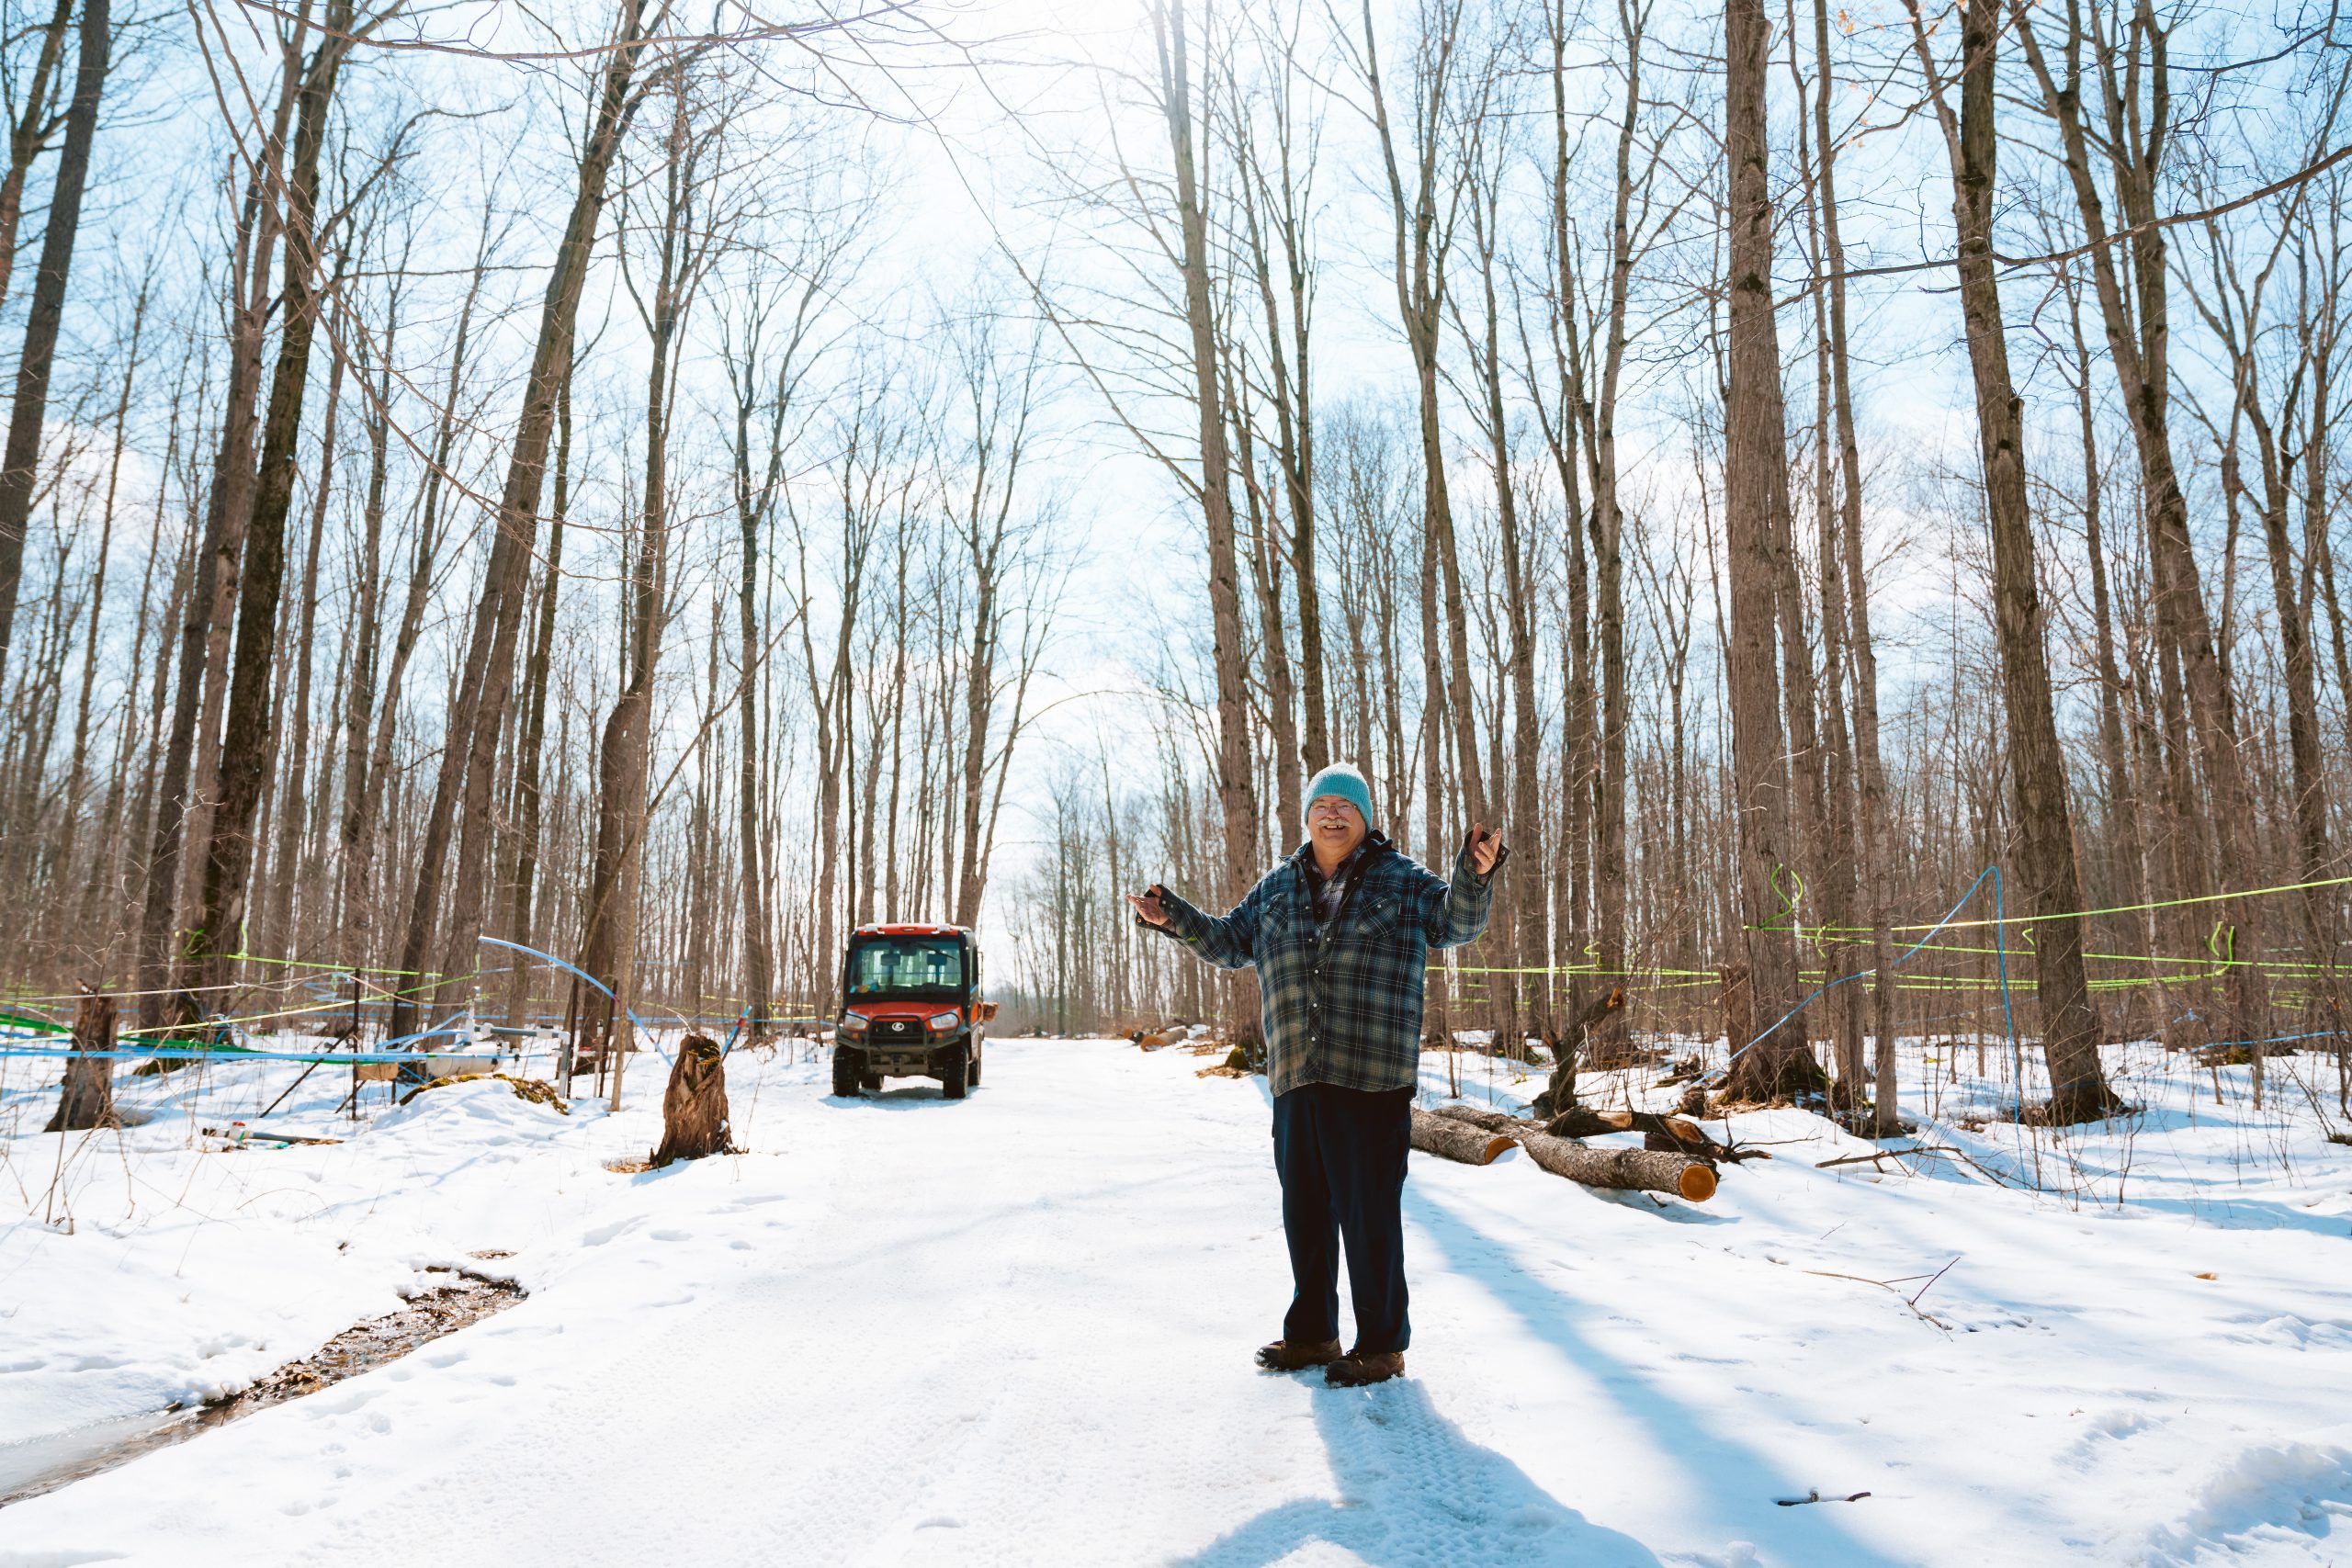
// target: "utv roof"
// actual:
[[910, 930]]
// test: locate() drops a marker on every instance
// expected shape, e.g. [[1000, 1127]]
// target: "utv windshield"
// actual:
[[915, 966]]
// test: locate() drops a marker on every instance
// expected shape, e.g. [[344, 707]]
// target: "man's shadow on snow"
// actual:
[[1414, 1490]]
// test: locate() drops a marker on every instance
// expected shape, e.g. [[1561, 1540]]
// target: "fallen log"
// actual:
[[1651, 1169], [1487, 1121], [1583, 1121], [1671, 1132], [1450, 1139], [1631, 1171]]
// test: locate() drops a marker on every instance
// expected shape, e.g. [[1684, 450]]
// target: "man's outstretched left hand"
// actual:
[[1485, 847]]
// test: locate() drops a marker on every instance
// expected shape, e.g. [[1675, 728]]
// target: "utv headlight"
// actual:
[[943, 1021], [855, 1022]]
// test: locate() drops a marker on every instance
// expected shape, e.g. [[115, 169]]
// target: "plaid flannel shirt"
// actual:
[[1341, 1002]]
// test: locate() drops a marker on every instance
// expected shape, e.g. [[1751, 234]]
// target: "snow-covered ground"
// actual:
[[1017, 1329]]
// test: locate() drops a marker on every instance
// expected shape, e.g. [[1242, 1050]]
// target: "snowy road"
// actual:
[[1016, 1329]]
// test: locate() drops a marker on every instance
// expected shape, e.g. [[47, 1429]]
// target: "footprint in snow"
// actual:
[[600, 1234]]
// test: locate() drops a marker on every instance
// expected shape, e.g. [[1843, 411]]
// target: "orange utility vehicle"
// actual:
[[910, 1007]]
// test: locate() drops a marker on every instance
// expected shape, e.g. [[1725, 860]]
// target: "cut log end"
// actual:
[[1476, 1136], [1633, 1170], [1458, 1141]]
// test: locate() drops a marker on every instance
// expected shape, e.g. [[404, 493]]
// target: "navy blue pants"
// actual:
[[1340, 1154]]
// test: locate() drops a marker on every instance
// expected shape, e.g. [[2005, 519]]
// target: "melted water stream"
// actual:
[[44, 1464]]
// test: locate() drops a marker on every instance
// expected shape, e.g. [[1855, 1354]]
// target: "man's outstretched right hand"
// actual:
[[1147, 907]]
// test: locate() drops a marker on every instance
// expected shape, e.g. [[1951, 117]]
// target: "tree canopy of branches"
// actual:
[[664, 493]]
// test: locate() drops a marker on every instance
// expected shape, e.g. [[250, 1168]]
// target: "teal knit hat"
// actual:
[[1347, 783]]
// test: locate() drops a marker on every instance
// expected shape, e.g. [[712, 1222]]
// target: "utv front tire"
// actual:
[[954, 1072], [845, 1074]]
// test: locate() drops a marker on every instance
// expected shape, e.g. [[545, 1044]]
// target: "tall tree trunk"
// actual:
[[1608, 527], [1422, 240], [752, 514], [19, 468], [486, 675], [2324, 908], [1875, 840], [1236, 796], [2137, 138], [1520, 907], [1574, 861], [1266, 578], [353, 903], [183, 819], [979, 691], [105, 903], [245, 749], [1775, 1061], [1831, 774], [2053, 890], [77, 778], [1281, 190], [2275, 444], [2126, 828], [29, 137], [278, 922], [529, 802]]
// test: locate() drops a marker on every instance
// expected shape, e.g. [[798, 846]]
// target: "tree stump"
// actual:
[[87, 1097], [694, 1106]]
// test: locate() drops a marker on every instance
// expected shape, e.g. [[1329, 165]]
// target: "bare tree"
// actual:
[[1447, 91], [479, 709], [2130, 85], [1176, 93], [1755, 512], [685, 232], [34, 361], [2079, 1090]]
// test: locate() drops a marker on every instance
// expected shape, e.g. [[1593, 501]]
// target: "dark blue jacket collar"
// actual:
[[1375, 845]]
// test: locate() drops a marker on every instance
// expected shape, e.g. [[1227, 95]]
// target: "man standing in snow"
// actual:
[[1339, 933]]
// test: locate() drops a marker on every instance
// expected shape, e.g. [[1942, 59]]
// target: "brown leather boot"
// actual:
[[1282, 1356], [1359, 1368]]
